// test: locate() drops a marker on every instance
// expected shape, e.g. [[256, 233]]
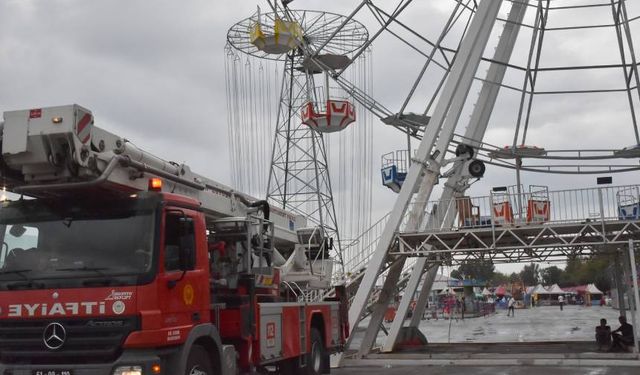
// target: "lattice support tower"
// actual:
[[299, 178]]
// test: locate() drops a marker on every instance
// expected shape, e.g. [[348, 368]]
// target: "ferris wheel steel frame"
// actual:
[[437, 139], [531, 70], [299, 178]]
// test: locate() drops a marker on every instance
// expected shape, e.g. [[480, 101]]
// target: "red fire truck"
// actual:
[[117, 262]]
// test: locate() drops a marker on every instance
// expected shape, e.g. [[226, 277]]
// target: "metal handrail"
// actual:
[[595, 204]]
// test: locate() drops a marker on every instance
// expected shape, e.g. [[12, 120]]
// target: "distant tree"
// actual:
[[456, 274], [551, 275], [603, 282], [499, 278], [586, 271], [596, 272], [571, 272], [475, 269], [530, 274], [514, 277]]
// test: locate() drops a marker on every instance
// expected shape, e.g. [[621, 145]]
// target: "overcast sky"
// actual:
[[153, 72]]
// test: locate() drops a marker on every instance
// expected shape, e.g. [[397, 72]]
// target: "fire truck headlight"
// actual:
[[128, 370]]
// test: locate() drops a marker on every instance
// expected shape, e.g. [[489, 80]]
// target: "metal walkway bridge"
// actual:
[[548, 227], [562, 224]]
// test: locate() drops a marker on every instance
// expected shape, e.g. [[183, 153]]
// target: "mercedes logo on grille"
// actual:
[[54, 336]]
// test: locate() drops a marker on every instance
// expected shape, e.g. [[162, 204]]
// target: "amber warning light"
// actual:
[[155, 184]]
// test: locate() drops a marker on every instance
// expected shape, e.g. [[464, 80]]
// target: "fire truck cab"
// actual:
[[117, 262]]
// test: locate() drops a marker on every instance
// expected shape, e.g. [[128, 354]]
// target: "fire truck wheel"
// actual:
[[198, 362], [316, 355]]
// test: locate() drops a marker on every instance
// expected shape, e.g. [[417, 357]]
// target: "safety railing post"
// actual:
[[601, 204], [636, 296]]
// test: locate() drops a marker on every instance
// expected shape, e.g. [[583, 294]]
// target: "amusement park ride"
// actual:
[[308, 109], [511, 224]]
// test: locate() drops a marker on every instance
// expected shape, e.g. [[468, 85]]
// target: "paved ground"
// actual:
[[529, 327], [548, 323], [488, 370]]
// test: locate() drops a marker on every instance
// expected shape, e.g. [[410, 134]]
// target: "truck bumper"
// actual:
[[144, 359]]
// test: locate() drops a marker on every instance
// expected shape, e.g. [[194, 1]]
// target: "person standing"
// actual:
[[511, 308], [561, 301], [463, 306]]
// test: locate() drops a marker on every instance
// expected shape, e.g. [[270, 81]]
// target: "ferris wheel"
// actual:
[[536, 137], [456, 147]]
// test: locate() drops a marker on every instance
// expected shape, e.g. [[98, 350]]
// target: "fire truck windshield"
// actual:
[[54, 244]]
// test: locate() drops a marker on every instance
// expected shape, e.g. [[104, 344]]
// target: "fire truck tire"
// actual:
[[198, 362], [316, 355]]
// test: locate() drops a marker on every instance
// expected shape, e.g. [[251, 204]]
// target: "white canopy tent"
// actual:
[[555, 289], [539, 289], [592, 289], [447, 290]]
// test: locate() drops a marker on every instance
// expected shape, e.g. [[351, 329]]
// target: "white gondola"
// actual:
[[338, 115]]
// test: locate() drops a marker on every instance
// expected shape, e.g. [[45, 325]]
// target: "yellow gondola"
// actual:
[[285, 37]]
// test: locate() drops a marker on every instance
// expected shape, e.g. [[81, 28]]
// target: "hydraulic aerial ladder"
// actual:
[[59, 152], [426, 168]]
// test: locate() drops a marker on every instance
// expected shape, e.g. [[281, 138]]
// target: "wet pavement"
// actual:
[[547, 323], [539, 340]]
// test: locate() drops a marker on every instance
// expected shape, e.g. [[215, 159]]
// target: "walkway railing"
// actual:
[[506, 207], [356, 254]]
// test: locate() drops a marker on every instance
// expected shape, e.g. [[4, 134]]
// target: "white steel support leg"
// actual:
[[431, 151], [456, 184], [389, 288], [380, 306], [421, 302], [489, 93], [619, 280], [405, 303], [446, 214]]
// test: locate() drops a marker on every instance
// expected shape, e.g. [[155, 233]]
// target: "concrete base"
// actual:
[[493, 362], [500, 354], [410, 338]]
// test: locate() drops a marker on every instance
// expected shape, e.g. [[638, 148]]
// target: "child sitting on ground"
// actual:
[[603, 335]]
